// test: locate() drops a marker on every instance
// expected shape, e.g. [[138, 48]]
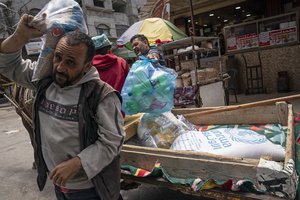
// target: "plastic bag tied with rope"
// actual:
[[148, 88], [54, 20]]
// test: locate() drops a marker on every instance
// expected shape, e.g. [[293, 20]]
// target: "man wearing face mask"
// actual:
[[141, 47], [78, 125]]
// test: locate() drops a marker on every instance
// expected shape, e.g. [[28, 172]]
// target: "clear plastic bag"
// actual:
[[55, 19], [159, 130], [148, 88], [188, 126]]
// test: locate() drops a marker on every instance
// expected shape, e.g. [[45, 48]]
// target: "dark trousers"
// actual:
[[85, 194]]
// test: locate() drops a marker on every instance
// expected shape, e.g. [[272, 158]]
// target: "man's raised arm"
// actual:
[[20, 37]]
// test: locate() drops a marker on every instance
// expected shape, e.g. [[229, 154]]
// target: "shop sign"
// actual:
[[247, 41], [33, 48], [276, 37], [283, 36], [231, 44], [241, 42], [264, 39]]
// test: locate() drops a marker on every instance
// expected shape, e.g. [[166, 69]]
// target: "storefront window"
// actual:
[[277, 30]]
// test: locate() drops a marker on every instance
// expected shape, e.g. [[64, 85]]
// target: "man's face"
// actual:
[[139, 47], [69, 63]]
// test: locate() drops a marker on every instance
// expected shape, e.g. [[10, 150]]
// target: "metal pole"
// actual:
[[192, 17], [219, 55], [197, 93]]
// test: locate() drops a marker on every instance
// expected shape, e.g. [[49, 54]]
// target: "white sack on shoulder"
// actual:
[[55, 19]]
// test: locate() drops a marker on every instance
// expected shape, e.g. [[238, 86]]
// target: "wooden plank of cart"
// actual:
[[187, 164]]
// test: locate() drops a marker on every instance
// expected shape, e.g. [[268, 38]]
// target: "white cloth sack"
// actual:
[[55, 19], [232, 142]]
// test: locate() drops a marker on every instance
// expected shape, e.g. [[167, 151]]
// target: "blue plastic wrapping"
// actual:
[[148, 88]]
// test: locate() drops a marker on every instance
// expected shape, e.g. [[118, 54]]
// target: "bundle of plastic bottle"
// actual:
[[148, 88]]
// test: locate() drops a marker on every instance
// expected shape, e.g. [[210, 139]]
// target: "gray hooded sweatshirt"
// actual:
[[59, 122]]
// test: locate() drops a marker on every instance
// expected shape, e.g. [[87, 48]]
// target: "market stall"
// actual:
[[197, 61]]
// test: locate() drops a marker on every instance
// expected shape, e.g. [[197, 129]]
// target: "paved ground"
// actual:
[[17, 179]]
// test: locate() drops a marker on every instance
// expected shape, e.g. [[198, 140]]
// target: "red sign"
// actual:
[[276, 37], [264, 39], [247, 41], [283, 36]]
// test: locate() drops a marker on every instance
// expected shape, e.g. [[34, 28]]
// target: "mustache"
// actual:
[[61, 73]]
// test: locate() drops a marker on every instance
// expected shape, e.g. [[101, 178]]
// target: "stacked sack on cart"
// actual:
[[247, 141]]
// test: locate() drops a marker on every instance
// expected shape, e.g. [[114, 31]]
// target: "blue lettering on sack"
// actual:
[[217, 140], [248, 137]]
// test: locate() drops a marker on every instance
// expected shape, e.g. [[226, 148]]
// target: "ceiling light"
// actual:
[[218, 17], [205, 25], [189, 20], [211, 14], [238, 7], [196, 22], [248, 15], [225, 20]]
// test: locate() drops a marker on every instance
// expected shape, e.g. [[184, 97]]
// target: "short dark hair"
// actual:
[[74, 38], [104, 50], [141, 37]]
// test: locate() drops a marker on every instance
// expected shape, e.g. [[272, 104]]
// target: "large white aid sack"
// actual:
[[229, 142]]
